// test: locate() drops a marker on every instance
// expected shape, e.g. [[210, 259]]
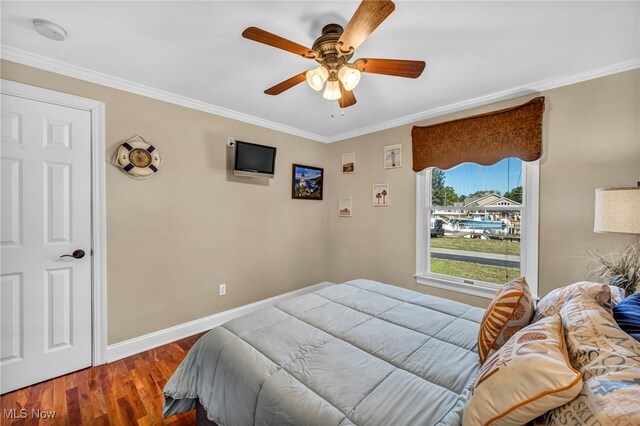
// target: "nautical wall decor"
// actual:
[[345, 206], [306, 182], [393, 156], [349, 162], [138, 158]]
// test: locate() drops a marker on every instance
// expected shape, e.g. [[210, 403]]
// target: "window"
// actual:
[[477, 226]]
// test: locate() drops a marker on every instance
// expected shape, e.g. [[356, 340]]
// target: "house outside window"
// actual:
[[477, 226]]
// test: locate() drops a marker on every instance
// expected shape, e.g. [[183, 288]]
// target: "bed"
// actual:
[[360, 352]]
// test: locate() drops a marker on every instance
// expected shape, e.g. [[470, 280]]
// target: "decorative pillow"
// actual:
[[510, 310], [609, 361], [617, 294], [552, 302], [528, 376], [627, 315]]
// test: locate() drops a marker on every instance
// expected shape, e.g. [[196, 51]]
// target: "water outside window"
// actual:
[[476, 221]]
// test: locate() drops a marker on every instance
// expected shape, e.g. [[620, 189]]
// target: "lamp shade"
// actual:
[[617, 210], [332, 91], [317, 77], [349, 76]]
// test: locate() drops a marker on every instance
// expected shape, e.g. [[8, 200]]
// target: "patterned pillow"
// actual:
[[528, 376], [552, 302], [617, 294], [510, 310], [609, 361]]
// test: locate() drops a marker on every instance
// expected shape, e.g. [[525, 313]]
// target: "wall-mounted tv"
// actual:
[[254, 160]]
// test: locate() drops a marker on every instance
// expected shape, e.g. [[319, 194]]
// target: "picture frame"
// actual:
[[348, 163], [381, 195], [393, 156], [307, 182], [345, 206]]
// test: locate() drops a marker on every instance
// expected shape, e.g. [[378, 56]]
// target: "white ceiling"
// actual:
[[195, 50]]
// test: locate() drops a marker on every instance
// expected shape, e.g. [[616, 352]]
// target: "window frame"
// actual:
[[528, 240]]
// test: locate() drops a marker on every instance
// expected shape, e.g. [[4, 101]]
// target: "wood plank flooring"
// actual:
[[125, 392]]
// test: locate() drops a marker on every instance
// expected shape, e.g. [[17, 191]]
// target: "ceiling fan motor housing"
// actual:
[[329, 54]]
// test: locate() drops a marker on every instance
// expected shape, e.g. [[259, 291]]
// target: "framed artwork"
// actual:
[[345, 206], [306, 182], [393, 156], [381, 195], [349, 162]]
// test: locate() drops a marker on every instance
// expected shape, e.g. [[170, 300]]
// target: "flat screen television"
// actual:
[[254, 160]]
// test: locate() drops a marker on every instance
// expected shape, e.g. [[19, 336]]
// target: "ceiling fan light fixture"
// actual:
[[349, 76], [332, 91], [316, 78]]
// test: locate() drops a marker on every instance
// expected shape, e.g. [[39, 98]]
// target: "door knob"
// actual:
[[77, 254]]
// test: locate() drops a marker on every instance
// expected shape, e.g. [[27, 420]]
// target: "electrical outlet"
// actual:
[[231, 142], [222, 289]]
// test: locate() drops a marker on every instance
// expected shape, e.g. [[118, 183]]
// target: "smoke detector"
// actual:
[[49, 30]]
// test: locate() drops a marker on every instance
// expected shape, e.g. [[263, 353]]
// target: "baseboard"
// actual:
[[162, 337]]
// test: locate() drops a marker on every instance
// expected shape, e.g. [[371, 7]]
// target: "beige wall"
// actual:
[[591, 140], [173, 238]]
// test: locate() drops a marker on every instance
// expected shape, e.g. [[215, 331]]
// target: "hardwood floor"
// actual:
[[125, 392]]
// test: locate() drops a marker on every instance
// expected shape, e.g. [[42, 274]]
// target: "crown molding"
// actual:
[[504, 95], [69, 70]]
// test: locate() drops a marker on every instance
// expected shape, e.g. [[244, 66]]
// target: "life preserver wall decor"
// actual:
[[138, 158]]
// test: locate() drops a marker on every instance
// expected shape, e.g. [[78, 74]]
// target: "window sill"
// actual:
[[458, 287]]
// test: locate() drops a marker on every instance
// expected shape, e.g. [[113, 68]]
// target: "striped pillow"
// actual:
[[510, 311]]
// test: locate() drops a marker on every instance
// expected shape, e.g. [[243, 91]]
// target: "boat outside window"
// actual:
[[478, 238]]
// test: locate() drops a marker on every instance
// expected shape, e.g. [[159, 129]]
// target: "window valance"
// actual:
[[483, 139]]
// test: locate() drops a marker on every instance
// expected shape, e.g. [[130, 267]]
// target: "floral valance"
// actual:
[[483, 139]]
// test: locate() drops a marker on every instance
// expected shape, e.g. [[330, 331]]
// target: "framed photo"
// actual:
[[345, 206], [381, 195], [393, 156], [306, 182], [349, 162]]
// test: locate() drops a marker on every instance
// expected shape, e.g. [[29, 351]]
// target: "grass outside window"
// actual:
[[474, 271], [512, 248]]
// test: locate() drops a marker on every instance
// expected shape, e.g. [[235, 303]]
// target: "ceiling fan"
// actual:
[[333, 50]]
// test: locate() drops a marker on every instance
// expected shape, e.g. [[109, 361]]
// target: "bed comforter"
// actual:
[[360, 352]]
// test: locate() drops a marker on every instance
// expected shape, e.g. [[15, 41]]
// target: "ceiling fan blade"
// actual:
[[286, 85], [262, 36], [368, 16], [348, 98], [394, 67]]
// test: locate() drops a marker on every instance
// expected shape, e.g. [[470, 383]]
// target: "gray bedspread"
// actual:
[[361, 353]]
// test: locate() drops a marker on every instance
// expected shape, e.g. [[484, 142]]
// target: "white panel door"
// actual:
[[45, 213]]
